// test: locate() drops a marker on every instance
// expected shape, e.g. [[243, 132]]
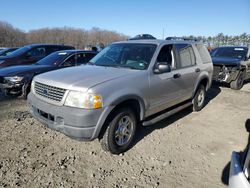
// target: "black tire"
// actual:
[[199, 98], [109, 140], [238, 83]]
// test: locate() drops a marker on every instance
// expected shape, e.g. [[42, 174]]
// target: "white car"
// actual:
[[239, 168]]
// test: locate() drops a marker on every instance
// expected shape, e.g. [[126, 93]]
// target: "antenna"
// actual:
[[163, 33]]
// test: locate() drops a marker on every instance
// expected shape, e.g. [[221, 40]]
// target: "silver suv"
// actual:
[[126, 84]]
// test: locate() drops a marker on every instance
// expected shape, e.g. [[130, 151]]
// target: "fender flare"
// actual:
[[198, 83], [124, 98]]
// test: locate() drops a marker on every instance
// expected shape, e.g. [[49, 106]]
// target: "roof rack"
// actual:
[[181, 39]]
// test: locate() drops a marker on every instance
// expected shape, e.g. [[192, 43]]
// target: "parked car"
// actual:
[[7, 51], [240, 166], [126, 83], [16, 80], [231, 65], [30, 54], [142, 37]]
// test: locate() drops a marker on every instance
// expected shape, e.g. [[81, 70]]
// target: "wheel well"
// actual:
[[133, 104], [204, 82]]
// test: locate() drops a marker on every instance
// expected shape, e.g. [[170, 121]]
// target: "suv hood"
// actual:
[[226, 61], [23, 70], [82, 78]]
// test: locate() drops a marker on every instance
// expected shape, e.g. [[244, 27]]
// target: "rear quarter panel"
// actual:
[[206, 69]]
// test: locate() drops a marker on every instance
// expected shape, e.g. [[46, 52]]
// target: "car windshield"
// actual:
[[230, 52], [125, 55], [6, 52], [53, 59], [19, 51]]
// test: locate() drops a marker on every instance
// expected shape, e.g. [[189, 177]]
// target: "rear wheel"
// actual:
[[238, 83], [199, 98], [120, 131]]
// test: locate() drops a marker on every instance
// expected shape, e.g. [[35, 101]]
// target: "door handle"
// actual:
[[178, 75], [197, 70]]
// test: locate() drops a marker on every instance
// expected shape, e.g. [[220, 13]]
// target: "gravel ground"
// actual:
[[186, 150]]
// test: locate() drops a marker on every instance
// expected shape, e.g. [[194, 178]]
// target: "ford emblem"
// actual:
[[45, 91]]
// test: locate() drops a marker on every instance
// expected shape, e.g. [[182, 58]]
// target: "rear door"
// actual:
[[186, 66]]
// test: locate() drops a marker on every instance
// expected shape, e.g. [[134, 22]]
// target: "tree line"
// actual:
[[222, 39], [81, 38]]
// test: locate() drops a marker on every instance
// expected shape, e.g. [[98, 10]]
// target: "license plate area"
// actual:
[[45, 115]]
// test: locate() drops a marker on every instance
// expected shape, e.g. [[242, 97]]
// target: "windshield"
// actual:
[[126, 55], [19, 51], [230, 52], [53, 59], [6, 52]]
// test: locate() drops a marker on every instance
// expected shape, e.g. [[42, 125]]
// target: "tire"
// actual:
[[118, 130], [199, 98], [238, 83]]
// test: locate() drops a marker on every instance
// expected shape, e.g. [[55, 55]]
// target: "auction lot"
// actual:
[[186, 150]]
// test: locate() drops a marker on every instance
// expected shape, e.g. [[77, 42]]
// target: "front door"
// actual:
[[165, 88]]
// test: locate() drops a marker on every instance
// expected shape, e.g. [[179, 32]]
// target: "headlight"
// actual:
[[14, 79], [83, 100], [32, 86], [1, 62]]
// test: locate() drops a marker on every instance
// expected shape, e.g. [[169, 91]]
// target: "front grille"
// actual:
[[49, 92]]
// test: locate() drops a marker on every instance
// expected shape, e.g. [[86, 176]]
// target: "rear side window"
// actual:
[[204, 54], [84, 58], [78, 59], [186, 57]]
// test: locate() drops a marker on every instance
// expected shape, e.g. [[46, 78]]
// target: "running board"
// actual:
[[166, 114]]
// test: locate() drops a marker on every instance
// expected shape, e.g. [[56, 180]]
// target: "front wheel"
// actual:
[[120, 131], [199, 98], [238, 83]]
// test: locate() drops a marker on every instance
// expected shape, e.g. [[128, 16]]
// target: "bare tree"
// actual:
[[80, 38]]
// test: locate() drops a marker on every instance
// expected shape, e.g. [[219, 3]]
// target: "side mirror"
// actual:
[[162, 68]]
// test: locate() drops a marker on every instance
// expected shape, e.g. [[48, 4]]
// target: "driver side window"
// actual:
[[71, 61], [166, 56]]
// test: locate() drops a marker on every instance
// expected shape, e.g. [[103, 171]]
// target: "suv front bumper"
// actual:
[[76, 123], [225, 74]]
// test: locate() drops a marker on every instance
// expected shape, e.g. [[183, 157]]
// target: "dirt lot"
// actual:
[[186, 150]]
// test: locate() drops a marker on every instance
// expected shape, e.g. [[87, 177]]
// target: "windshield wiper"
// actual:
[[125, 66], [117, 66]]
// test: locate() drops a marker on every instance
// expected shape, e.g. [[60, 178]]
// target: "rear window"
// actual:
[[204, 54]]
